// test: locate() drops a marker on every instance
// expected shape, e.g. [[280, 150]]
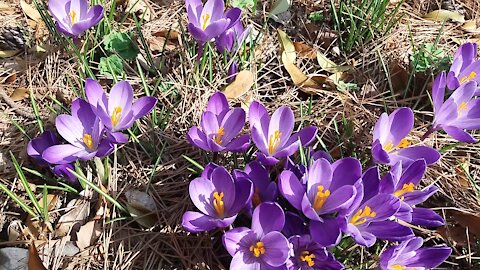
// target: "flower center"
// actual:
[[218, 204], [308, 258], [362, 215], [400, 267], [87, 140], [205, 20], [405, 189], [116, 115], [468, 78], [257, 249], [256, 200], [274, 141], [73, 16], [320, 198], [218, 137], [388, 147]]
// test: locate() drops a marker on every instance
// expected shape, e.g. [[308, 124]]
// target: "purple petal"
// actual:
[[70, 128], [58, 9], [413, 153], [381, 130], [346, 171], [384, 205], [117, 137], [363, 238], [209, 123], [326, 233], [243, 194], [61, 154], [232, 123], [390, 231], [121, 96], [105, 148], [266, 160], [232, 238], [244, 261], [37, 145], [419, 196], [282, 121], [94, 92], [413, 173], [197, 138], [438, 91], [267, 217], [371, 183], [143, 106], [319, 173], [63, 170], [234, 15], [294, 225], [276, 249], [216, 28], [291, 188], [340, 199], [459, 134], [223, 182], [379, 154], [427, 218], [200, 190], [306, 136], [94, 16], [464, 93], [214, 9], [239, 144], [197, 222], [217, 103], [401, 122], [430, 257]]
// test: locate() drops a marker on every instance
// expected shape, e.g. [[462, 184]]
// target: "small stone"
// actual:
[[12, 258]]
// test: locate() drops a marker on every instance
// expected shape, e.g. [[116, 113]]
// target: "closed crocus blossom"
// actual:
[[403, 184], [273, 137], [231, 40], [328, 192], [465, 67], [460, 112], [309, 255], [84, 133], [219, 199], [390, 144], [265, 190], [261, 247], [219, 124], [73, 17], [117, 111], [410, 255], [208, 21]]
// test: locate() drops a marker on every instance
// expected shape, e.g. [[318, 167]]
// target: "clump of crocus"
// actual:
[[465, 66], [460, 112], [84, 133], [263, 246], [73, 17], [403, 184], [219, 199], [208, 21], [390, 144], [410, 255], [38, 145], [117, 112], [328, 192], [309, 255], [219, 125], [273, 137]]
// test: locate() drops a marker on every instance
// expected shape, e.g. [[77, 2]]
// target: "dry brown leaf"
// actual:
[[10, 78], [80, 210], [461, 172], [157, 44], [34, 261], [471, 26], [305, 50], [19, 94], [298, 77], [6, 9], [242, 83], [328, 65], [468, 220], [141, 6], [171, 34], [31, 11], [88, 234], [286, 46], [142, 207], [443, 15]]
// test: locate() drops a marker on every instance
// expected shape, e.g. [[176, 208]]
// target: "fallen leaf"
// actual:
[[19, 94], [330, 66], [142, 207], [31, 11], [443, 15], [158, 44], [142, 7], [286, 46], [298, 77], [470, 26], [305, 50], [462, 170], [79, 211], [10, 78], [88, 234], [280, 6], [171, 34], [8, 53], [242, 83], [6, 9], [467, 220], [34, 261]]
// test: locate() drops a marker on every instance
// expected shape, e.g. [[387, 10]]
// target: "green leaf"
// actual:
[[243, 3], [121, 43], [316, 16], [112, 64]]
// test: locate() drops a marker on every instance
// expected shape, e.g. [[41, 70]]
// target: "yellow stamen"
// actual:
[[405, 189], [307, 257], [73, 16], [206, 21], [400, 267], [116, 115], [256, 200], [468, 78], [274, 141], [462, 107], [320, 198], [257, 249], [361, 216], [218, 138], [218, 204], [388, 147], [87, 140]]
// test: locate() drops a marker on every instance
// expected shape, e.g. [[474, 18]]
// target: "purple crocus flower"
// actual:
[[410, 255], [325, 191], [273, 137], [231, 40], [261, 247], [84, 133], [73, 17], [37, 146], [465, 67], [458, 113], [389, 142], [219, 199], [209, 21], [219, 125], [118, 111], [309, 255], [370, 215], [403, 185]]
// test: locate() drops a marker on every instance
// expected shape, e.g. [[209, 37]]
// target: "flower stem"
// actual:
[[429, 131]]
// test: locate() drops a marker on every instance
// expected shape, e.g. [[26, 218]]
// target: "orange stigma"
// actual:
[[87, 140], [274, 141], [320, 198], [257, 249], [308, 258], [116, 115], [218, 204], [218, 137], [362, 215]]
